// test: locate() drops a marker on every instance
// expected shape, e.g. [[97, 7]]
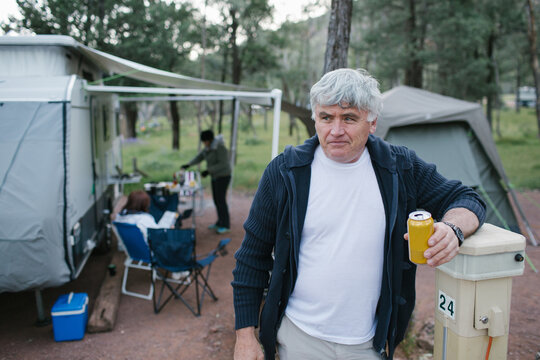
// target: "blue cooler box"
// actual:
[[69, 316]]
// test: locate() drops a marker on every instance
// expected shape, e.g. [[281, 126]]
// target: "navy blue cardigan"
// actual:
[[275, 222]]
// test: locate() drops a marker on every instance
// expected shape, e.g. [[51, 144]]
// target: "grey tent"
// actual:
[[455, 136]]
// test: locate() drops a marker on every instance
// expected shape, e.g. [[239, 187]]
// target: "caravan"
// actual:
[[60, 148]]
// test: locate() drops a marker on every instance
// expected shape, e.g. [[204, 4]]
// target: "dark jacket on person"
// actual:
[[217, 158], [274, 227]]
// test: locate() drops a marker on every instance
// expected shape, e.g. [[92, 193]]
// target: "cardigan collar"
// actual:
[[302, 155]]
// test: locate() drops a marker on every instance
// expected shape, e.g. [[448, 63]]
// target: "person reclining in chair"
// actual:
[[136, 212]]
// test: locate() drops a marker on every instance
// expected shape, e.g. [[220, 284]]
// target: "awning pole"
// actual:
[[175, 91], [276, 94]]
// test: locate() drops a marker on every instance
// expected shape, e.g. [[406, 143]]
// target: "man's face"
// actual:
[[207, 143], [343, 132]]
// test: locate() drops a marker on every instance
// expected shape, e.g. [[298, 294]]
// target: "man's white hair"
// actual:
[[348, 88]]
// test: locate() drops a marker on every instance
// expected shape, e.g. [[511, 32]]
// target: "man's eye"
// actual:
[[350, 119]]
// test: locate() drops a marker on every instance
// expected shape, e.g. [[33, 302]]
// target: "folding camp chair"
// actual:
[[159, 203], [138, 255], [173, 250]]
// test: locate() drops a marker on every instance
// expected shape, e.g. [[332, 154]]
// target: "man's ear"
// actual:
[[373, 126]]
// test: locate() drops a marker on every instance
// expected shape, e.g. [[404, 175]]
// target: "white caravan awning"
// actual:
[[274, 95], [171, 83]]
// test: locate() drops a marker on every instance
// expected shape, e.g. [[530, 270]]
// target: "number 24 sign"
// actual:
[[447, 305]]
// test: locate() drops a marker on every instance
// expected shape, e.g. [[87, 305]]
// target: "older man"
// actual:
[[328, 223]]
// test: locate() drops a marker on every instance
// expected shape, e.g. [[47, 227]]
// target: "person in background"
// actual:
[[217, 166], [136, 212], [329, 223]]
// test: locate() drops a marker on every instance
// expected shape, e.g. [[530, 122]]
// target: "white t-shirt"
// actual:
[[142, 220], [341, 253]]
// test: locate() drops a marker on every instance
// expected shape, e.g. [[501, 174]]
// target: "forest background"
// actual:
[[480, 51]]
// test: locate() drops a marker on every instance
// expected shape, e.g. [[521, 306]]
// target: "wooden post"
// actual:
[[103, 317]]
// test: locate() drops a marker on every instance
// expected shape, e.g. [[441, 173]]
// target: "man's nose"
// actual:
[[337, 128]]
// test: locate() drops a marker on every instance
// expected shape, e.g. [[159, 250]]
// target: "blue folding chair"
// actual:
[[159, 203], [173, 251], [138, 255]]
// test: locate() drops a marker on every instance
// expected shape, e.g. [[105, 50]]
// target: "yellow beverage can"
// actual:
[[420, 229]]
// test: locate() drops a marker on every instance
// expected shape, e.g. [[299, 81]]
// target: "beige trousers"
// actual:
[[294, 344]]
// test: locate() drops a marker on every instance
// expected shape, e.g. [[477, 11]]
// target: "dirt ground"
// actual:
[[175, 333]]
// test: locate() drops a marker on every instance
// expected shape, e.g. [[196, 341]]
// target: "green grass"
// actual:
[[153, 150], [518, 147]]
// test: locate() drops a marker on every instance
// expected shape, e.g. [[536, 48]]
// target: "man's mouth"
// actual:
[[337, 143]]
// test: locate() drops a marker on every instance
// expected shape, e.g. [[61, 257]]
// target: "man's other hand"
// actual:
[[247, 347]]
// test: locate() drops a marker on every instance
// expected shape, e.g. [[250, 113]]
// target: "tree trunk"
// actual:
[[339, 29], [199, 106], [250, 120], [175, 125], [146, 110], [302, 113], [87, 26], [490, 79], [414, 70], [130, 109], [517, 103], [224, 67], [312, 30], [203, 41], [235, 113], [220, 116], [534, 59], [292, 124], [102, 28], [215, 115], [236, 62], [497, 99]]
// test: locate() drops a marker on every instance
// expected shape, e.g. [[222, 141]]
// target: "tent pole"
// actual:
[[276, 94], [532, 239]]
